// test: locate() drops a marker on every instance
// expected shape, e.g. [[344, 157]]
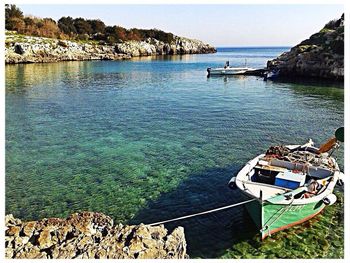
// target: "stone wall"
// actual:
[[91, 236]]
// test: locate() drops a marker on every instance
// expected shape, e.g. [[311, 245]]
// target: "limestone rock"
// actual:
[[90, 235], [321, 56], [29, 228], [44, 239], [153, 46], [13, 231], [29, 49]]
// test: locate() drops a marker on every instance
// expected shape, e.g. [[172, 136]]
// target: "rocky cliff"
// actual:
[[91, 236], [321, 56], [28, 49], [155, 47]]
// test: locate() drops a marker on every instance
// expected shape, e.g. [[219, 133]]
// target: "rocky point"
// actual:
[[29, 49], [89, 235], [320, 56]]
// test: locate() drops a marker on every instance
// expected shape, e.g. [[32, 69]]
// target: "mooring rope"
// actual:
[[202, 213]]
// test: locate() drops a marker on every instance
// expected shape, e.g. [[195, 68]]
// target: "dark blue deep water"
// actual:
[[152, 138]]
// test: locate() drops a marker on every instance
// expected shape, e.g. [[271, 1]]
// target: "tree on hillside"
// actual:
[[114, 34], [97, 26], [66, 24], [82, 26], [79, 28], [30, 25], [13, 18], [12, 11]]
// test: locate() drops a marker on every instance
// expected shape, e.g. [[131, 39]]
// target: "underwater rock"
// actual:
[[90, 235]]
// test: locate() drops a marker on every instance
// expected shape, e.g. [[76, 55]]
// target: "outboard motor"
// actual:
[[265, 76], [232, 184], [208, 70], [330, 199]]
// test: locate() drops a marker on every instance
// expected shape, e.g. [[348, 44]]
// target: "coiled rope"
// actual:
[[202, 213]]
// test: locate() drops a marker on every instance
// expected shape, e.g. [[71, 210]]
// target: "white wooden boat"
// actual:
[[227, 70], [291, 184]]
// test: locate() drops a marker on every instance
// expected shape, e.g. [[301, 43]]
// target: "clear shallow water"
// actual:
[[152, 138]]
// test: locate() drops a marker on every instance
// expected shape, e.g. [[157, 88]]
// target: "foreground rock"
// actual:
[[90, 235], [28, 49], [321, 56]]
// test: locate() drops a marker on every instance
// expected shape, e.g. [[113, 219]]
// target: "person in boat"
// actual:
[[227, 64]]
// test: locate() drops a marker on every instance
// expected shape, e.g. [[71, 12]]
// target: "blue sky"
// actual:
[[219, 25]]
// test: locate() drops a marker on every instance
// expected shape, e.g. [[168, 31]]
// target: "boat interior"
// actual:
[[278, 176], [304, 171]]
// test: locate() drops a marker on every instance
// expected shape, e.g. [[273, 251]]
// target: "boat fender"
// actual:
[[340, 181], [330, 199], [232, 184]]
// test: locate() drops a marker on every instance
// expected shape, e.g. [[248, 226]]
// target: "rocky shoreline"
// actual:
[[320, 56], [28, 49], [89, 235]]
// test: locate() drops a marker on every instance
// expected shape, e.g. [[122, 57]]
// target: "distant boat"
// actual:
[[272, 75], [227, 70], [290, 183]]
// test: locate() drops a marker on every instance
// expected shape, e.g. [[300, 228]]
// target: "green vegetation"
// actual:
[[320, 237], [334, 24], [77, 28], [330, 38]]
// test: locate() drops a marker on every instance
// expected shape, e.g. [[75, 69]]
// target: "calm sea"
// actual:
[[152, 138]]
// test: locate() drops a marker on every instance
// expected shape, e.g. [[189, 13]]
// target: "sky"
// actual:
[[219, 25]]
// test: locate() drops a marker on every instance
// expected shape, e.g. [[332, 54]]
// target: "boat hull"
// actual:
[[271, 218], [228, 71]]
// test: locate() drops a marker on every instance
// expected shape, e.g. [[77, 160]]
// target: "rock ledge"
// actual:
[[320, 56], [29, 49], [90, 235]]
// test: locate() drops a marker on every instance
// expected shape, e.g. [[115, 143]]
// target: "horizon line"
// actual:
[[253, 46]]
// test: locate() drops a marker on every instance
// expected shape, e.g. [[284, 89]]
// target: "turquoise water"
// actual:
[[152, 138]]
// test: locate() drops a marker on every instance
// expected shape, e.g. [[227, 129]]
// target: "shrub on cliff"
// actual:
[[78, 28], [48, 28], [44, 27]]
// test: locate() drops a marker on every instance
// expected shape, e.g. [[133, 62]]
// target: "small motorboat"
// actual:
[[271, 75], [227, 70], [290, 183]]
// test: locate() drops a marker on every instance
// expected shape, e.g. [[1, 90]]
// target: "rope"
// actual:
[[284, 209], [202, 213]]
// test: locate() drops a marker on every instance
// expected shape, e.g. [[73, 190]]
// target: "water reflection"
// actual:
[[24, 76]]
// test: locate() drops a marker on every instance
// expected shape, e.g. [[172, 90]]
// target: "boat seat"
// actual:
[[316, 172], [286, 164], [319, 172]]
